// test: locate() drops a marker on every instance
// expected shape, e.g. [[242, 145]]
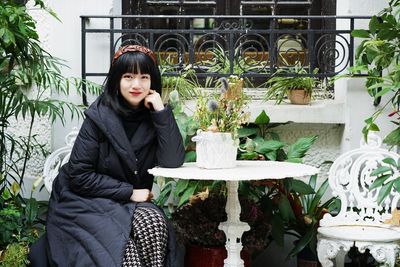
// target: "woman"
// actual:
[[99, 210]]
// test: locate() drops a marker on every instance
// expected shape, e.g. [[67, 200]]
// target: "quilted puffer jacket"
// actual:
[[90, 214]]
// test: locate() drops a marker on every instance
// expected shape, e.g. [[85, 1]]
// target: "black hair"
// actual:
[[130, 62]]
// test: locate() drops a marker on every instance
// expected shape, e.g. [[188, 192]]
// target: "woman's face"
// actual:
[[135, 87]]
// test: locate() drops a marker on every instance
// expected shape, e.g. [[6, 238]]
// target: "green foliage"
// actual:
[[259, 142], [281, 83], [296, 209], [21, 220], [256, 143], [293, 206], [378, 55], [184, 82], [25, 65], [386, 178], [280, 201], [27, 74], [21, 223], [15, 255]]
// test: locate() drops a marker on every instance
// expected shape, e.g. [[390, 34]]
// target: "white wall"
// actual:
[[65, 42]]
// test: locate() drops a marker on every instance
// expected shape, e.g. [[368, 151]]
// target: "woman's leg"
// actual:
[[131, 257], [150, 235]]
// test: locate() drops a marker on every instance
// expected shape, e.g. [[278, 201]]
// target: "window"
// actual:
[[291, 44], [233, 7]]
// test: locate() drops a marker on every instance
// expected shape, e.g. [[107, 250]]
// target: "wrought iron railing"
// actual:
[[249, 46]]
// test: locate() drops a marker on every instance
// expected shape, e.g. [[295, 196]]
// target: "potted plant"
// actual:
[[196, 224], [292, 206], [258, 142], [219, 116], [296, 209], [298, 89], [219, 62], [184, 81]]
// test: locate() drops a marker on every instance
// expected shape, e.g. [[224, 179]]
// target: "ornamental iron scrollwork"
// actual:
[[233, 24], [332, 51], [210, 52], [57, 159], [292, 50], [172, 48], [252, 53], [131, 39]]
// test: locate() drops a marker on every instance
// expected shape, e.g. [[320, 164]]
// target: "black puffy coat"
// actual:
[[90, 214]]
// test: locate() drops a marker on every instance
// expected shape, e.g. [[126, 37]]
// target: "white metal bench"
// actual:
[[360, 221], [57, 159]]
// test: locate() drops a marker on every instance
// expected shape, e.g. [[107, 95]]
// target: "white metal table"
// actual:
[[245, 170]]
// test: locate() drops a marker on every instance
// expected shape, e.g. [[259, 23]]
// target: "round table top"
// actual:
[[245, 170]]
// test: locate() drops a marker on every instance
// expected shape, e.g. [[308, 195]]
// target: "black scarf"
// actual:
[[132, 120]]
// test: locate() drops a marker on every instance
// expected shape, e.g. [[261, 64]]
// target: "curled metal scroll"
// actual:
[[172, 48], [131, 39], [251, 53], [291, 50], [210, 51], [332, 51], [237, 24]]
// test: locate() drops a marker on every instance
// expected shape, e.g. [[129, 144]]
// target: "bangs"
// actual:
[[143, 64], [130, 62]]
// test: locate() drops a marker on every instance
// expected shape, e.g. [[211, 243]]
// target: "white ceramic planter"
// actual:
[[215, 150]]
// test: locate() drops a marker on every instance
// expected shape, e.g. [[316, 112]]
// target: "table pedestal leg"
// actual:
[[233, 227]]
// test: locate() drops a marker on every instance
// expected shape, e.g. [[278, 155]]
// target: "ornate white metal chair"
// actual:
[[360, 221], [57, 159]]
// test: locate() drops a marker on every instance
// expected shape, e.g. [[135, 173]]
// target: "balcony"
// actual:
[[251, 46]]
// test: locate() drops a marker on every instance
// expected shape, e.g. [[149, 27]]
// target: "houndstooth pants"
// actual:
[[148, 243]]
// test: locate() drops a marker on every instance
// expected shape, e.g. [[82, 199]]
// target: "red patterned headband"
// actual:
[[134, 48]]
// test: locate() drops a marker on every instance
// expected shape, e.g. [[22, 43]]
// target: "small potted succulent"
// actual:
[[297, 88]]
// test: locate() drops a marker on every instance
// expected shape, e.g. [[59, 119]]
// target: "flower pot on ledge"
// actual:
[[215, 150], [299, 97]]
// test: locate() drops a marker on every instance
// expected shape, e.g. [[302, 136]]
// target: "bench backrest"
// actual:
[[57, 159]]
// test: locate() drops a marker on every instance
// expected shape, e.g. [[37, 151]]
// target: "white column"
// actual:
[[233, 227]]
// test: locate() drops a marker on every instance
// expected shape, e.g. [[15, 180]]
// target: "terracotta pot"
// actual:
[[199, 256], [299, 97]]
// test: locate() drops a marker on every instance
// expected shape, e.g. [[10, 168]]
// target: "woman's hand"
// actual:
[[153, 100], [141, 195]]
